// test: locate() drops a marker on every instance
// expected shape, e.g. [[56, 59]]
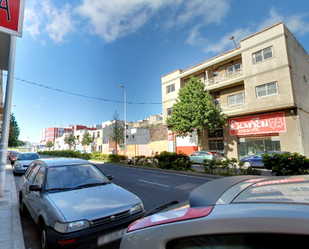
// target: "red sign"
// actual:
[[258, 124], [170, 137], [11, 16]]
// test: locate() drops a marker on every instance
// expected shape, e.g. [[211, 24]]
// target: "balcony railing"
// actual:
[[224, 77], [225, 107]]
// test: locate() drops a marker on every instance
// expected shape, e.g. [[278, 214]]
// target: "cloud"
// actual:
[[43, 16], [114, 19]]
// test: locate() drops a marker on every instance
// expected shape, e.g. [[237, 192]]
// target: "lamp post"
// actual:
[[125, 120]]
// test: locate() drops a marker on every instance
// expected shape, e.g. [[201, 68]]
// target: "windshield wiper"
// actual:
[[92, 184], [59, 189]]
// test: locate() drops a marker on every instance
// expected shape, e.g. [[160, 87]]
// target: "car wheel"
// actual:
[[22, 207], [247, 164], [44, 243]]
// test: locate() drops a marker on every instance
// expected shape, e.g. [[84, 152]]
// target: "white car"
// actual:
[[23, 160]]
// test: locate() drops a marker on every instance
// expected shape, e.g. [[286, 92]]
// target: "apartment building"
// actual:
[[261, 85]]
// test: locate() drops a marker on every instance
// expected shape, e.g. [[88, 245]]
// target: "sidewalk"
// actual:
[[11, 235]]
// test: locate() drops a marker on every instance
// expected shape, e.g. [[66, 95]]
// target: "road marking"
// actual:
[[154, 183]]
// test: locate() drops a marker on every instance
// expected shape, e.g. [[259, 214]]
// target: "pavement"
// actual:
[[11, 234]]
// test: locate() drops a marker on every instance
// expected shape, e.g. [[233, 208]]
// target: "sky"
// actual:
[[74, 55]]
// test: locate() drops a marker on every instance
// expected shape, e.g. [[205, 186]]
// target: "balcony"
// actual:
[[230, 75]]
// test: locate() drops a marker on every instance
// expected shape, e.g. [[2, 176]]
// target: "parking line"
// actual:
[[154, 183]]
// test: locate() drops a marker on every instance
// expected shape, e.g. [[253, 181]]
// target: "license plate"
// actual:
[[109, 237]]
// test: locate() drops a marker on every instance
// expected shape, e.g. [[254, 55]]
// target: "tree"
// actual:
[[194, 110], [49, 144], [87, 139], [14, 132], [69, 139], [117, 133]]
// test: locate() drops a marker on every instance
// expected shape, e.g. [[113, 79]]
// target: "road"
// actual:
[[153, 187]]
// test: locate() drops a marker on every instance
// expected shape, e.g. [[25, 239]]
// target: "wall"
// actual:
[[158, 133], [158, 146]]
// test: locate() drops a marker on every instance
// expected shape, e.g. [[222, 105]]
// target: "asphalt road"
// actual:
[[154, 188]]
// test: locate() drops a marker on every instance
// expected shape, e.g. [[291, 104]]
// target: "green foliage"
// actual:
[[115, 158], [117, 132], [96, 155], [286, 164], [49, 144], [228, 167], [172, 160], [14, 132], [194, 110], [69, 139], [66, 153], [87, 139]]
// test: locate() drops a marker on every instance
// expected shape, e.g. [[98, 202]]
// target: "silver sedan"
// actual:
[[75, 205], [233, 212]]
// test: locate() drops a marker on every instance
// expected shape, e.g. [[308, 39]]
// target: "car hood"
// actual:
[[24, 162], [93, 203]]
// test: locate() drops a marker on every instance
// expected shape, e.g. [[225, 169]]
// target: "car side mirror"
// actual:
[[110, 177], [35, 188]]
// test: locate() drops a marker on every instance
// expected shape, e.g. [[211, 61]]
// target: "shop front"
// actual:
[[258, 132]]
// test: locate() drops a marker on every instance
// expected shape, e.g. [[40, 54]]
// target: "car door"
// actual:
[[257, 160], [28, 197], [36, 196]]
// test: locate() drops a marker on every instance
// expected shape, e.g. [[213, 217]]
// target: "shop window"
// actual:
[[236, 99], [262, 55], [267, 89], [251, 146]]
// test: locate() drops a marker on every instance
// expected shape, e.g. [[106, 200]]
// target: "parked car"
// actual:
[[199, 156], [75, 205], [232, 212], [13, 156], [23, 160], [256, 159]]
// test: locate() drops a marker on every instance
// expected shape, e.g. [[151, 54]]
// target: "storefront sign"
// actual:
[[258, 124], [11, 16], [170, 141]]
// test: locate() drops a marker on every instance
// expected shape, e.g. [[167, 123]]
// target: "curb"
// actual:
[[161, 170]]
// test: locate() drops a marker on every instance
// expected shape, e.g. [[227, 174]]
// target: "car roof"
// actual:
[[28, 153], [228, 190], [54, 162]]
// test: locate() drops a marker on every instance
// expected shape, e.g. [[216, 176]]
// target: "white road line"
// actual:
[[154, 183]]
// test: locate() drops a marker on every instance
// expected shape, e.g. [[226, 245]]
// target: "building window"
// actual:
[[98, 134], [236, 99], [169, 111], [263, 55], [233, 69], [267, 89], [170, 88]]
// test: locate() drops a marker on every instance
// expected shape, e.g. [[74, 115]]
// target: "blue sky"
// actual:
[[90, 47]]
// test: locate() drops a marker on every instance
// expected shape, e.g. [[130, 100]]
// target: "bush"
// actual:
[[286, 164], [96, 155], [66, 153], [172, 160], [115, 158]]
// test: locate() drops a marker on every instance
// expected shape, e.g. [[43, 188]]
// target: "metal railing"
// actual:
[[224, 77]]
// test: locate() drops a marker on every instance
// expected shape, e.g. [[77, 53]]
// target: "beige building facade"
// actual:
[[262, 85]]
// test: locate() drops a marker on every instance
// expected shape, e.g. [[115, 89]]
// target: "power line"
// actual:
[[81, 95]]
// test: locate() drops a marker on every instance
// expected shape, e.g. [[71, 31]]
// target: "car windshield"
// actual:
[[73, 177], [28, 156]]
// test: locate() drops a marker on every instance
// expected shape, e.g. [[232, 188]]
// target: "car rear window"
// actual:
[[247, 241], [291, 190]]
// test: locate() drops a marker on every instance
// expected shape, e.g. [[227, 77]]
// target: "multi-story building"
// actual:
[[261, 85], [51, 133]]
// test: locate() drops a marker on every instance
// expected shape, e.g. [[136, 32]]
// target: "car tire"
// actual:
[[247, 164], [22, 207], [43, 239]]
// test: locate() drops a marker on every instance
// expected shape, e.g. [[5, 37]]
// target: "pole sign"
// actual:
[[11, 16]]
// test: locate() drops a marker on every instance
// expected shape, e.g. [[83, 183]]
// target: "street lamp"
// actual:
[[125, 121]]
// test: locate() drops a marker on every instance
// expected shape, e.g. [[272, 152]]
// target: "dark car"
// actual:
[[232, 212], [256, 159], [75, 205]]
